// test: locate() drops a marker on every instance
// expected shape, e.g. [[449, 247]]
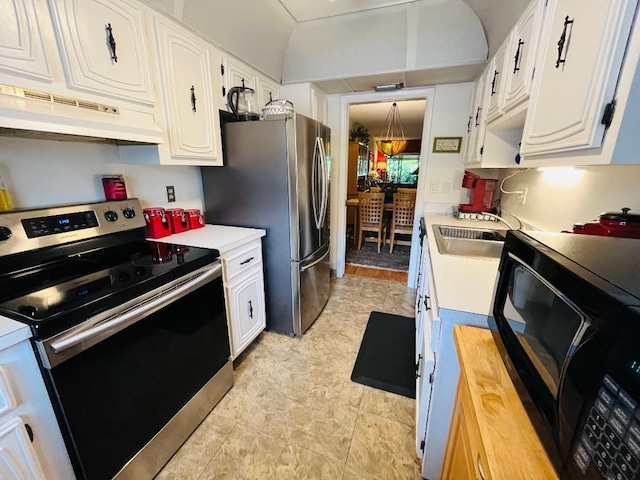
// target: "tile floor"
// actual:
[[294, 413]]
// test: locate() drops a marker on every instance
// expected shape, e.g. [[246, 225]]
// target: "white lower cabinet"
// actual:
[[31, 445], [244, 291]]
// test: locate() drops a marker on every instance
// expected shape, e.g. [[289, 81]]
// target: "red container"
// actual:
[[157, 222], [114, 188], [612, 224], [177, 220], [195, 218]]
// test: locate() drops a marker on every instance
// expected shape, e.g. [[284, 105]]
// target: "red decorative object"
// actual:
[[157, 222], [177, 220], [195, 218], [482, 192]]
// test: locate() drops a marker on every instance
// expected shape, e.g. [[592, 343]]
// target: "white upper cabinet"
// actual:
[[236, 74], [521, 56], [267, 91], [191, 115], [103, 48], [582, 50], [476, 125], [22, 51], [319, 106], [496, 81]]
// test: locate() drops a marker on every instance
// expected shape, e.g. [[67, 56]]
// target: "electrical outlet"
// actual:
[[171, 193], [522, 196]]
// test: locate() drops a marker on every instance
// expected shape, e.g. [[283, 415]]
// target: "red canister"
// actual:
[[157, 222], [114, 188], [195, 218], [177, 220]]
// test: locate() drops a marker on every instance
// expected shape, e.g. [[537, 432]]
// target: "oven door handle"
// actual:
[[103, 327]]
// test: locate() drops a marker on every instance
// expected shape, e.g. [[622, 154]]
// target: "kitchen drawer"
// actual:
[[240, 260]]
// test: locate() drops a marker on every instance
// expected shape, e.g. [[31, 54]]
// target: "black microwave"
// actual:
[[567, 323]]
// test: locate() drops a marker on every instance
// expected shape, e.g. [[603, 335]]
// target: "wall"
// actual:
[[556, 200], [444, 171], [47, 172]]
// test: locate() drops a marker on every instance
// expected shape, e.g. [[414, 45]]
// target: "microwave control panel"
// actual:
[[610, 438]]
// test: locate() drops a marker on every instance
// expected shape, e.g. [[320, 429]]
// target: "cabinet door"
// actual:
[[247, 316], [267, 91], [191, 116], [17, 458], [458, 461], [477, 119], [235, 73], [103, 48], [496, 79], [580, 61], [22, 50], [521, 56]]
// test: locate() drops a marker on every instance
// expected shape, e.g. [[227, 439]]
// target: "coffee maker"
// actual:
[[482, 192]]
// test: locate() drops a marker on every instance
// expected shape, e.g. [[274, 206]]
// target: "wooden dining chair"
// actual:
[[371, 212], [404, 205], [375, 189], [407, 190]]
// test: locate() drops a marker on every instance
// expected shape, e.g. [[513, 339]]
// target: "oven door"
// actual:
[[130, 386]]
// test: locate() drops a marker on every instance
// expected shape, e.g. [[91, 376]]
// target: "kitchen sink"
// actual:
[[469, 242]]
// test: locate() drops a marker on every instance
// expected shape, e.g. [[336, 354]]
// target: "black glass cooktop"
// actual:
[[64, 288]]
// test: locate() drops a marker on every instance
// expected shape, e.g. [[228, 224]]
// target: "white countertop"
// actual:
[[12, 332], [220, 237], [462, 283]]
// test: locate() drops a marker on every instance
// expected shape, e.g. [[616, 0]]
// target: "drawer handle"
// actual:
[[480, 470], [420, 357], [426, 302], [468, 131], [478, 117], [250, 309], [247, 260], [112, 43], [193, 99], [516, 65], [563, 41]]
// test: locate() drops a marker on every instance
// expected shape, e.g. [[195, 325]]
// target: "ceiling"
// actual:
[[306, 10], [373, 117]]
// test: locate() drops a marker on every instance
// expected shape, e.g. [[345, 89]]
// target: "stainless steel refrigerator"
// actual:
[[276, 177]]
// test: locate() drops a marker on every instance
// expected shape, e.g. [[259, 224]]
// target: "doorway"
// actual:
[[369, 170]]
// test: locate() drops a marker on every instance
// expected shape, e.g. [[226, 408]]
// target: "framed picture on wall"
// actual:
[[447, 144]]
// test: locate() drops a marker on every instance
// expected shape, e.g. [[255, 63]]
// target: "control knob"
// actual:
[[111, 216], [129, 213], [124, 276], [5, 234]]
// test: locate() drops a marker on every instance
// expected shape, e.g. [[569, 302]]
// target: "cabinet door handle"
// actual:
[[563, 41], [193, 99], [480, 470], [29, 430], [112, 43], [426, 303], [244, 262], [516, 65], [468, 128], [418, 365], [477, 116], [250, 309], [419, 303], [493, 82]]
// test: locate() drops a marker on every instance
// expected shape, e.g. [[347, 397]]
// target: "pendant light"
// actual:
[[393, 142]]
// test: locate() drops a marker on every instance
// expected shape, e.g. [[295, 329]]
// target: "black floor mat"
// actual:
[[386, 359]]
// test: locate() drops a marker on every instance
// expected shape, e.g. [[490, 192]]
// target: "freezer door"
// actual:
[[312, 186], [315, 284], [324, 136]]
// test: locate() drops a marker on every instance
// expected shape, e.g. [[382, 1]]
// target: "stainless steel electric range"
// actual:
[[131, 335]]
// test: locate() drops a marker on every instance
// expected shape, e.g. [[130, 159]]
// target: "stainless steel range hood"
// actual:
[[27, 111]]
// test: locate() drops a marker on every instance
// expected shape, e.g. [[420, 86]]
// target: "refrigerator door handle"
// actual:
[[317, 153], [325, 183]]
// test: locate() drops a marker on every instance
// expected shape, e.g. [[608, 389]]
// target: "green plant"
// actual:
[[359, 133]]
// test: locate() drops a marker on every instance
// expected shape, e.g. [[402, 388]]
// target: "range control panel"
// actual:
[[25, 230]]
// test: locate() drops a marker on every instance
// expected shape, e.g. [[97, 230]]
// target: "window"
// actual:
[[400, 169]]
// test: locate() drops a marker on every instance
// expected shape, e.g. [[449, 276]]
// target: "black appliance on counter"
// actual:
[[567, 312], [131, 335]]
